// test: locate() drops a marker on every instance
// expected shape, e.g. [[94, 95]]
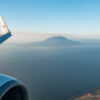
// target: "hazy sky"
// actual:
[[52, 16]]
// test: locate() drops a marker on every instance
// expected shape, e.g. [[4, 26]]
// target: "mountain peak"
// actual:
[[56, 41], [57, 38]]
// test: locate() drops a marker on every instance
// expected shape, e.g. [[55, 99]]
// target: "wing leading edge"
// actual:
[[5, 31]]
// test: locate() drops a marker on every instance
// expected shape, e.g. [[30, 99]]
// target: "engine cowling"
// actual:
[[12, 89]]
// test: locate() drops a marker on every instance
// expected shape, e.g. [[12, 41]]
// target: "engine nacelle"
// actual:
[[12, 89]]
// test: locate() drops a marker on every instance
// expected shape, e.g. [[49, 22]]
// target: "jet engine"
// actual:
[[12, 89]]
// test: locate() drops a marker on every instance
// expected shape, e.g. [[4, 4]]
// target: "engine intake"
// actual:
[[12, 89]]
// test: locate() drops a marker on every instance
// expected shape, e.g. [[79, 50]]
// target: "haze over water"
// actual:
[[53, 73]]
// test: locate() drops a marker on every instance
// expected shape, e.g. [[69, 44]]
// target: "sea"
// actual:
[[52, 73]]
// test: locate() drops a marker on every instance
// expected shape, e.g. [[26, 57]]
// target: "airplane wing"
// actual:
[[5, 31]]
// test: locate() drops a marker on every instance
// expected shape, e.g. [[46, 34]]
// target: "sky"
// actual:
[[81, 17]]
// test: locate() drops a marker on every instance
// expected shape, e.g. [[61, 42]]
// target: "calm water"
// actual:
[[52, 73]]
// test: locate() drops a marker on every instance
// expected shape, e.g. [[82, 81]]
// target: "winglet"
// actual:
[[5, 31]]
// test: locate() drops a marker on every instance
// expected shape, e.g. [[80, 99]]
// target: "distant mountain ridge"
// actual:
[[55, 41]]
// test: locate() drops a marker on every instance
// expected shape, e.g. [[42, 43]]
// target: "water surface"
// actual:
[[53, 73]]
